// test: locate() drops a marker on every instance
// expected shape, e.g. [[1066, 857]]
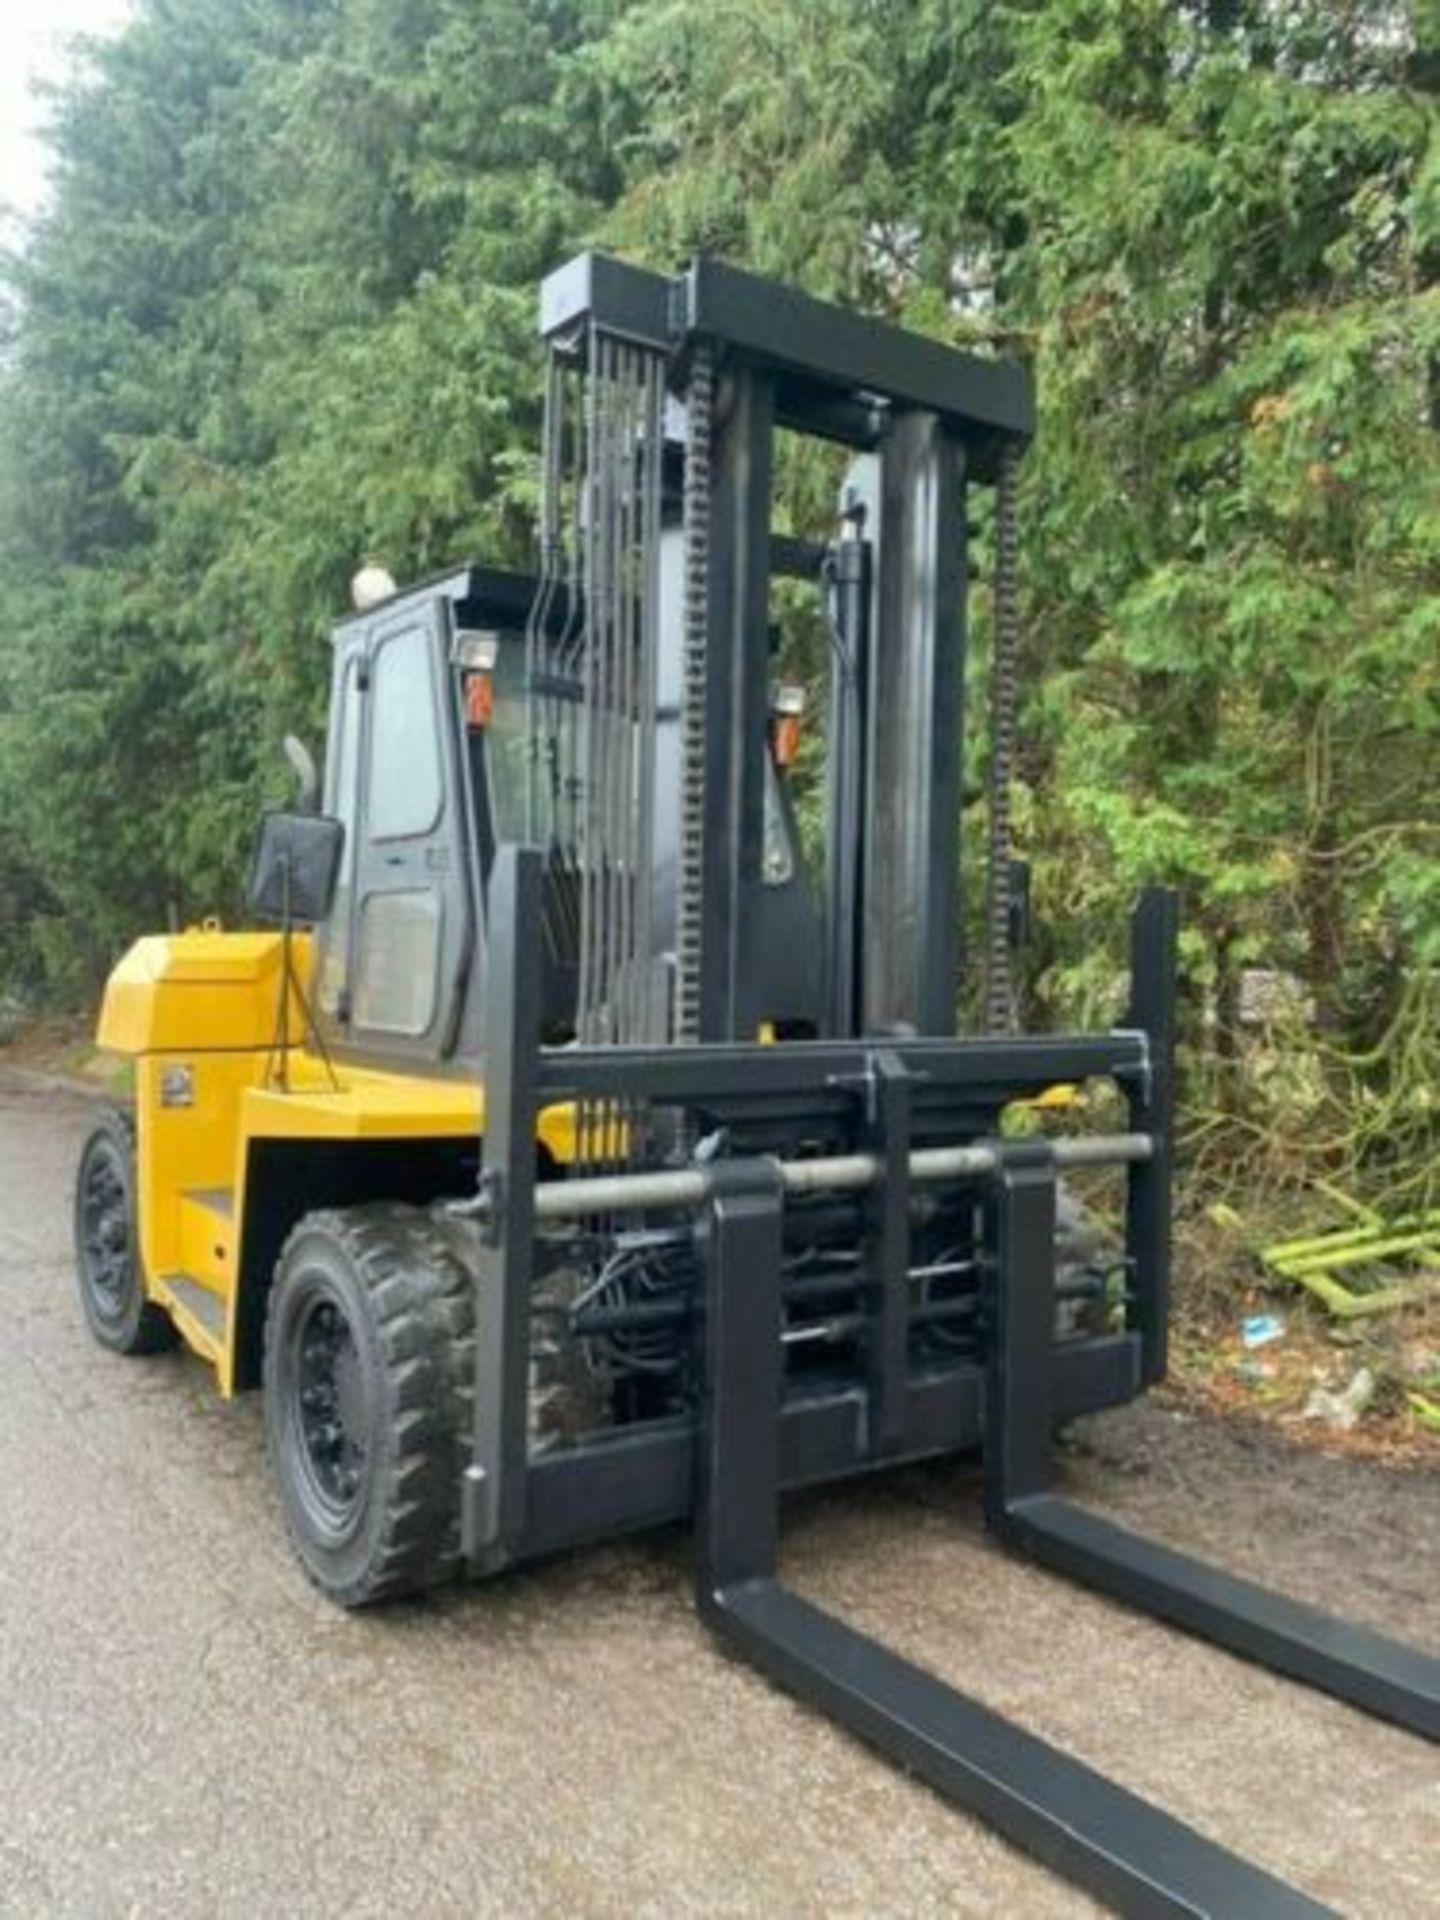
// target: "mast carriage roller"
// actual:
[[577, 1159]]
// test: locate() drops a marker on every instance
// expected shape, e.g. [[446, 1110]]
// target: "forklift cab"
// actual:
[[428, 768]]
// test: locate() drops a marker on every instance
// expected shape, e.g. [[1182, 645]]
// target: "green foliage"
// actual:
[[281, 317]]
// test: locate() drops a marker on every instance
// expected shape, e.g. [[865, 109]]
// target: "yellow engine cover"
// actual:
[[202, 989]]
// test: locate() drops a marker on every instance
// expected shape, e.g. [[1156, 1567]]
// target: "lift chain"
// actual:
[[700, 396], [1004, 696]]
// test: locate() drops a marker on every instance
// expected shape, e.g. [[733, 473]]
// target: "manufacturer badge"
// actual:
[[177, 1087]]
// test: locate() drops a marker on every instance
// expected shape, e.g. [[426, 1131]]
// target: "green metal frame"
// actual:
[[1316, 1262]]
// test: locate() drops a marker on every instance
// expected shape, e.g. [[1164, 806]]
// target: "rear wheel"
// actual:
[[369, 1361], [107, 1243]]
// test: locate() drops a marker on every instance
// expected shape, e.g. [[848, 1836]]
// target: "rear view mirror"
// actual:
[[296, 866]]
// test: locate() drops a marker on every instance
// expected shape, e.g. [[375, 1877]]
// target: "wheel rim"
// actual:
[[327, 1417], [106, 1253]]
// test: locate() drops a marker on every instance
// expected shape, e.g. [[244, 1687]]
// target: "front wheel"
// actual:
[[107, 1243], [369, 1361]]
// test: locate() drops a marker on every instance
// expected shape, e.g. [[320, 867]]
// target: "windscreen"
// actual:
[[561, 788]]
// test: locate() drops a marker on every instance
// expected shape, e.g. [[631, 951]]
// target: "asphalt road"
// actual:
[[187, 1729]]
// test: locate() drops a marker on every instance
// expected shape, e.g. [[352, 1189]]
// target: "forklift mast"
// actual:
[[670, 582]]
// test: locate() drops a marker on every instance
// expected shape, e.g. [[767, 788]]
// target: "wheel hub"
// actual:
[[331, 1406]]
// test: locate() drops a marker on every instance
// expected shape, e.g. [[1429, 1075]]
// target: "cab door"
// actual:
[[393, 968]]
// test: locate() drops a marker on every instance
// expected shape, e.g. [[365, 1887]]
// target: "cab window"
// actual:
[[405, 772], [400, 915], [399, 944]]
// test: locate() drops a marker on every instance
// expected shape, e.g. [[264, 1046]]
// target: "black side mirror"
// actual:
[[297, 864]]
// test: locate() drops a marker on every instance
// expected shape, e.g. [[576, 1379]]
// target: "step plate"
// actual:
[[217, 1200], [202, 1305]]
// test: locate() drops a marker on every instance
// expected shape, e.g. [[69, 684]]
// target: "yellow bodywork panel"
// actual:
[[199, 1012], [345, 1102], [202, 988]]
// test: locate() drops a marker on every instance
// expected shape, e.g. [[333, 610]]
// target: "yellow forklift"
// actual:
[[569, 1154]]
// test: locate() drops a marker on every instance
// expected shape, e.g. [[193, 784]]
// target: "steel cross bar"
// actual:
[[1103, 1838], [719, 1071], [683, 1187]]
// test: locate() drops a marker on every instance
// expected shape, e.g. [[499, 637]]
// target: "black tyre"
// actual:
[[107, 1243], [369, 1365]]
